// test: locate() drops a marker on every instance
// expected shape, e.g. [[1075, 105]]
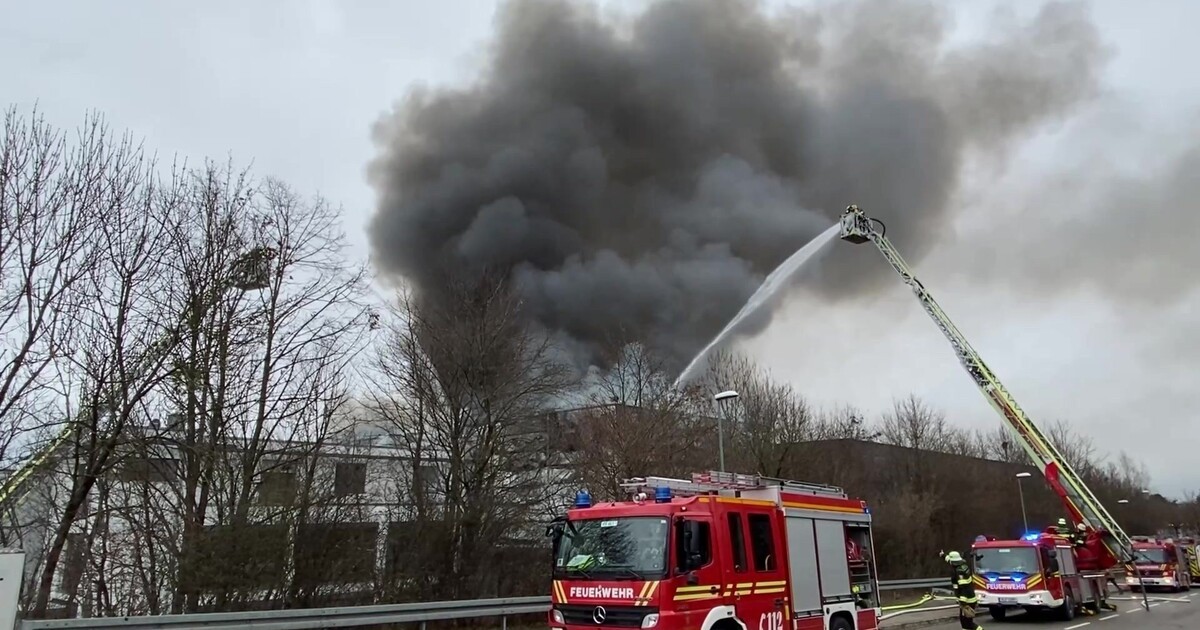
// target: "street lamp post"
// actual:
[[720, 399], [1021, 492]]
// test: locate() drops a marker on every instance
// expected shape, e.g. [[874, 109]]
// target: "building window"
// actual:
[[350, 478], [278, 487]]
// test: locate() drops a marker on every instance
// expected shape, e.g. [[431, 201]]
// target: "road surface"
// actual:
[[1163, 615]]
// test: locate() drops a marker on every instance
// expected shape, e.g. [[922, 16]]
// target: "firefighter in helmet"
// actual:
[[1079, 539], [963, 583]]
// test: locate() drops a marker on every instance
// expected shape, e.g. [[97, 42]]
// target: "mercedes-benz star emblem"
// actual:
[[599, 615]]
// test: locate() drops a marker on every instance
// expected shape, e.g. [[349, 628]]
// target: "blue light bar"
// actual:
[[583, 499], [662, 495], [1030, 536]]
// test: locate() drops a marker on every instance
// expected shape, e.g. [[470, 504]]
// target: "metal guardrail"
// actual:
[[351, 616]]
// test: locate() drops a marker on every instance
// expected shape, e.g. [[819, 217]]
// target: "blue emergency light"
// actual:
[[583, 499], [662, 495], [1030, 536]]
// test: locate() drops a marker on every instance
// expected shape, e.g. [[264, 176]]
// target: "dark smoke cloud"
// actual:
[[644, 176]]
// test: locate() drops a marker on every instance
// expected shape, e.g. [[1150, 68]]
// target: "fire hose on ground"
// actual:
[[896, 610]]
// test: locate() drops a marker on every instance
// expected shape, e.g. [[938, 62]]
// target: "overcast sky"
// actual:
[[1092, 325]]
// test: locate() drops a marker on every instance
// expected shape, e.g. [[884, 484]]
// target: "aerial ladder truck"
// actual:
[[1106, 545]]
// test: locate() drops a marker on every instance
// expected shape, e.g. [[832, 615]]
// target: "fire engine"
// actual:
[[1158, 564], [1105, 544], [1192, 552], [720, 551], [1038, 572]]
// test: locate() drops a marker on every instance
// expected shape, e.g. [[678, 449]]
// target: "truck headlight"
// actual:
[[650, 621], [558, 617]]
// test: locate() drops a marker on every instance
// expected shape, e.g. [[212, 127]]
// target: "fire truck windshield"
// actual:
[[615, 549], [1151, 555], [1006, 560]]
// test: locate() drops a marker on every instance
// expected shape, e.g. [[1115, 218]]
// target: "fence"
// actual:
[[351, 616]]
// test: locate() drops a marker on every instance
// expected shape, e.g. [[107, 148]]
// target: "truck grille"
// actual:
[[614, 616]]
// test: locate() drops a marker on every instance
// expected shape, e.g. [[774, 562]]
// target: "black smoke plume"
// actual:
[[640, 176]]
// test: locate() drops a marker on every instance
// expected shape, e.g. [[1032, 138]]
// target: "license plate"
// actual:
[[1008, 600]]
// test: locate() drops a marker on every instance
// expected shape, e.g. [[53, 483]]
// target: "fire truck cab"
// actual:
[[1038, 572], [720, 551], [1158, 564]]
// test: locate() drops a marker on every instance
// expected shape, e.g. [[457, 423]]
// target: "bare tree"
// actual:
[[769, 419], [919, 428], [126, 333], [202, 280], [303, 320], [999, 444], [219, 262], [463, 381], [51, 199], [1077, 449], [636, 424], [335, 534], [913, 424]]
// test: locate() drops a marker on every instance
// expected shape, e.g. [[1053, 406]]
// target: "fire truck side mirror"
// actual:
[[555, 533], [1053, 553]]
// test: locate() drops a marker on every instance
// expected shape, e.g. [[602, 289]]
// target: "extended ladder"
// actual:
[[1082, 504]]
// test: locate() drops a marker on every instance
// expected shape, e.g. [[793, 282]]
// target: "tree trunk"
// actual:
[[46, 583]]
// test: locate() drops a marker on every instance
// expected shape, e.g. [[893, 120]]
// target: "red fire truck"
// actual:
[[1041, 571], [1158, 564], [717, 552]]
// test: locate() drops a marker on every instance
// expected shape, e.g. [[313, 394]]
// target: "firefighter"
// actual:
[[1079, 539], [964, 590], [1062, 529]]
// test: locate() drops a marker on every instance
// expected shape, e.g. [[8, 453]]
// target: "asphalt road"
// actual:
[[1163, 615]]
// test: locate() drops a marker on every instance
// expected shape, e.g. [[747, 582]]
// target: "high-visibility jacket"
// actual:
[[963, 583]]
